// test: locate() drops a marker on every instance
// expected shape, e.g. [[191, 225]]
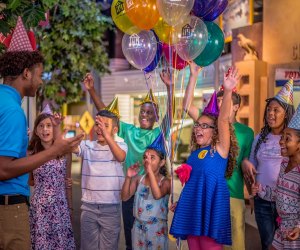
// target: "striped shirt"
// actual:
[[102, 174]]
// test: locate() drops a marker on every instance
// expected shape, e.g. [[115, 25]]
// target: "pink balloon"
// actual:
[[177, 61]]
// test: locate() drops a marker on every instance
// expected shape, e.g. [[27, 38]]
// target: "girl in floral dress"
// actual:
[[286, 193], [152, 190], [50, 221]]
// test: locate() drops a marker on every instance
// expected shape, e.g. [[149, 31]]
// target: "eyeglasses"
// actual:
[[202, 125]]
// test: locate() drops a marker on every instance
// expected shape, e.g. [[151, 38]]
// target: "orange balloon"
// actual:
[[142, 13]]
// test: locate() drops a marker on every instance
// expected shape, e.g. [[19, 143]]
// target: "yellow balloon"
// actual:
[[142, 13], [121, 19], [165, 32]]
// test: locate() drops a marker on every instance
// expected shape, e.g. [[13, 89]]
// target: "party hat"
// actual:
[[158, 144], [47, 110], [212, 107], [113, 107], [285, 95], [149, 98], [295, 121]]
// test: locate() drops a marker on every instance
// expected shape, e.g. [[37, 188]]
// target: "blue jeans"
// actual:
[[128, 219], [265, 215]]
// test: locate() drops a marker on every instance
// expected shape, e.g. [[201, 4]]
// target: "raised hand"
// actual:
[[166, 77], [231, 78], [101, 125], [133, 170], [57, 119], [88, 81], [147, 162], [194, 69]]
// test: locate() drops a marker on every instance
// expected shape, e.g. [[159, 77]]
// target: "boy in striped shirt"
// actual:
[[102, 180]]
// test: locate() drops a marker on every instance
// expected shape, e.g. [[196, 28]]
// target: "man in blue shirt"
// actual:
[[22, 75]]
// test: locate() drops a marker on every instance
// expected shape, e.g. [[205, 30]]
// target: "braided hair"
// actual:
[[289, 111]]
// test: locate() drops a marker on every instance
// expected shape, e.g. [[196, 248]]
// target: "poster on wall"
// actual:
[[283, 75], [239, 13]]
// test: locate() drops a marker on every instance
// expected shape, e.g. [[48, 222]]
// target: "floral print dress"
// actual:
[[50, 222], [150, 228]]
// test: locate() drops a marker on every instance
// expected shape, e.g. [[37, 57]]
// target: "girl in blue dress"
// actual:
[[152, 190], [202, 214]]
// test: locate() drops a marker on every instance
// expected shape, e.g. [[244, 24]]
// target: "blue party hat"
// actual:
[[158, 144], [295, 121], [212, 107]]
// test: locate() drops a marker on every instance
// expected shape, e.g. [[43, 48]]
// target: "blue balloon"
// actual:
[[217, 10], [203, 7], [157, 57]]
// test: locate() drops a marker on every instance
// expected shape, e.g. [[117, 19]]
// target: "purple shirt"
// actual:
[[268, 160]]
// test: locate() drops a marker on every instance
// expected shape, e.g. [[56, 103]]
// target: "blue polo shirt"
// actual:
[[13, 137]]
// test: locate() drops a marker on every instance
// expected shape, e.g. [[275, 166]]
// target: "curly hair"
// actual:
[[35, 144], [262, 138], [12, 64], [233, 149]]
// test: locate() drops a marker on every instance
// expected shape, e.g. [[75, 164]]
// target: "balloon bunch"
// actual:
[[181, 30]]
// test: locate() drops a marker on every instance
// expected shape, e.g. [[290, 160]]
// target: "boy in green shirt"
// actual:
[[137, 138], [235, 183]]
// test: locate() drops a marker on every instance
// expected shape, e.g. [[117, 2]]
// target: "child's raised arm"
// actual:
[[230, 81], [131, 182], [188, 98], [89, 85]]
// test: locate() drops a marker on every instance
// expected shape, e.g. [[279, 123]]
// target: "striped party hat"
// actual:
[[295, 121], [285, 95]]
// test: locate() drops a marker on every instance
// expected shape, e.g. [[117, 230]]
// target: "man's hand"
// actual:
[[88, 81], [62, 146], [249, 171]]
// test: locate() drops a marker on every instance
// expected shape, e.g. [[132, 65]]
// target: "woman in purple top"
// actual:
[[265, 159]]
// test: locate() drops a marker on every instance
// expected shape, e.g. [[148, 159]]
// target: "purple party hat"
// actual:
[[47, 110], [212, 107], [158, 144]]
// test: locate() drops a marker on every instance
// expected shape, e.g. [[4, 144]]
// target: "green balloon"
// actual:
[[214, 46]]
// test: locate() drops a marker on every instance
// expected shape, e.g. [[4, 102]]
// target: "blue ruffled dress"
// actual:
[[203, 208]]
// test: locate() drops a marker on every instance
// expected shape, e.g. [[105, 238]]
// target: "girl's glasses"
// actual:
[[202, 125]]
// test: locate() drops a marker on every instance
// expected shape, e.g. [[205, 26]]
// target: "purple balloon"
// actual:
[[202, 7], [218, 9], [157, 57]]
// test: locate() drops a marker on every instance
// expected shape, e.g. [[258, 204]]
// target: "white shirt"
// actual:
[[102, 174]]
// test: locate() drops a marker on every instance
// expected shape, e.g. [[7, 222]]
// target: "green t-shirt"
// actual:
[[137, 140], [245, 137]]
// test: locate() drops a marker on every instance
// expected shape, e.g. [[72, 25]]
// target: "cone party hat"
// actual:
[[285, 95], [149, 98], [212, 107], [113, 107], [158, 144], [47, 110], [20, 40], [295, 121]]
